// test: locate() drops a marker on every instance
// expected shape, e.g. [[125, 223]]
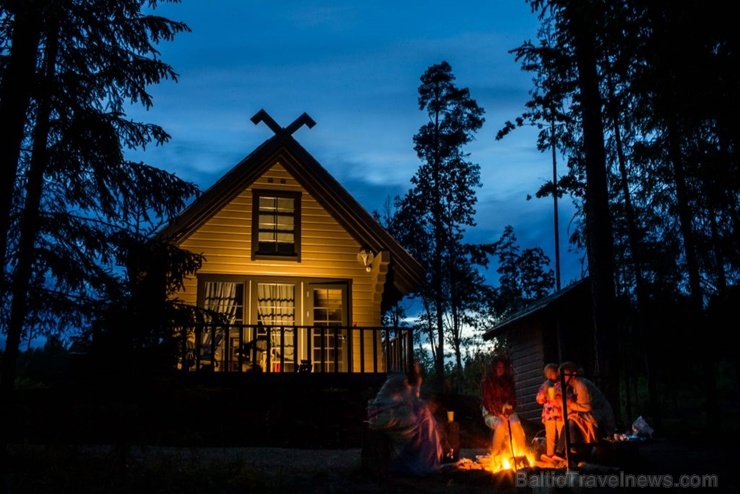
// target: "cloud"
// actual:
[[355, 68]]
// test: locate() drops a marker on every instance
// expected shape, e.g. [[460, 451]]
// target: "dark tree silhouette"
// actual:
[[75, 196], [523, 275], [432, 216], [646, 118]]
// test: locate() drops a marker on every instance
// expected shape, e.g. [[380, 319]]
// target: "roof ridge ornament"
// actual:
[[263, 116]]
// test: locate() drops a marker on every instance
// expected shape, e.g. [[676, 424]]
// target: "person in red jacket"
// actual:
[[499, 409]]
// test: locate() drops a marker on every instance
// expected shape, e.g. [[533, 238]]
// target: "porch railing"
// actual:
[[243, 348]]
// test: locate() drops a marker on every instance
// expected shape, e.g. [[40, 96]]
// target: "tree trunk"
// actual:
[[28, 225], [581, 18], [15, 94], [24, 267]]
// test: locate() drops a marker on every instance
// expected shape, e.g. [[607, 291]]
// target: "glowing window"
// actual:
[[276, 224]]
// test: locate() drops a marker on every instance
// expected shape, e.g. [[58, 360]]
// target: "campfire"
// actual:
[[520, 459]]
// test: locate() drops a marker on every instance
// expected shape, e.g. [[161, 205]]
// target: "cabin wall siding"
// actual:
[[527, 357]]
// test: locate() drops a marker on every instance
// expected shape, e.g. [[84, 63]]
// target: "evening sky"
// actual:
[[354, 67]]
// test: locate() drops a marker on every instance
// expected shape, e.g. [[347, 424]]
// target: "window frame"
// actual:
[[257, 194]]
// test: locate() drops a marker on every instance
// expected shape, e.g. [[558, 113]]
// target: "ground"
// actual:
[[307, 471], [309, 467]]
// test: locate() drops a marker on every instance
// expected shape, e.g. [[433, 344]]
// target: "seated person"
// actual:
[[415, 437], [590, 416], [499, 409]]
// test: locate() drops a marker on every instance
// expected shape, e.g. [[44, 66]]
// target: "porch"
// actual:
[[244, 348]]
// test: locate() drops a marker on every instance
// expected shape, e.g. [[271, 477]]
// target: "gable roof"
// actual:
[[548, 303], [406, 272]]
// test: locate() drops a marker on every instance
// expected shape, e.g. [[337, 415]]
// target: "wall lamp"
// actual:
[[365, 257]]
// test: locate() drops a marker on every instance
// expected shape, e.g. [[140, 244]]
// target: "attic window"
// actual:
[[276, 224]]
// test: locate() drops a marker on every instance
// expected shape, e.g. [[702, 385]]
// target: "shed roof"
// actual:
[[550, 302]]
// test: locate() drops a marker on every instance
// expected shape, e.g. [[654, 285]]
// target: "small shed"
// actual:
[[556, 328]]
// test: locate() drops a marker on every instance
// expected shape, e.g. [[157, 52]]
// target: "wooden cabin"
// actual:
[[556, 328], [298, 271]]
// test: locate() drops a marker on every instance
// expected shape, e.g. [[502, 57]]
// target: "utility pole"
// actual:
[[555, 202]]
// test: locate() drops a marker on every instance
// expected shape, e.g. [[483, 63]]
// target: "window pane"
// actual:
[[284, 222], [276, 302], [327, 308], [276, 232], [267, 222], [284, 204], [267, 204], [226, 298], [276, 307]]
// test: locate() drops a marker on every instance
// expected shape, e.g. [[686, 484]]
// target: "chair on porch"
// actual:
[[252, 354], [211, 352]]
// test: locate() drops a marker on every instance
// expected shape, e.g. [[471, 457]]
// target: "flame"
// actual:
[[504, 460]]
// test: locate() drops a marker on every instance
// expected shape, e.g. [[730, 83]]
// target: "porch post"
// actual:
[[410, 347]]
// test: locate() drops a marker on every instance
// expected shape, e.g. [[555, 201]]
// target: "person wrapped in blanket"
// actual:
[[590, 416], [499, 409], [399, 411]]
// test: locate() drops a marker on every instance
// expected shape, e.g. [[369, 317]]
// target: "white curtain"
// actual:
[[276, 307], [220, 296]]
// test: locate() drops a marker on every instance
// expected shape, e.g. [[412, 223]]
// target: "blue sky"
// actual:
[[354, 67]]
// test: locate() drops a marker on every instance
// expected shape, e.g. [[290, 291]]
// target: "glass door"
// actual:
[[329, 338], [219, 343], [276, 308]]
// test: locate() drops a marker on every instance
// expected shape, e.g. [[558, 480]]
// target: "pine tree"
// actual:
[[523, 275], [433, 215], [76, 195]]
